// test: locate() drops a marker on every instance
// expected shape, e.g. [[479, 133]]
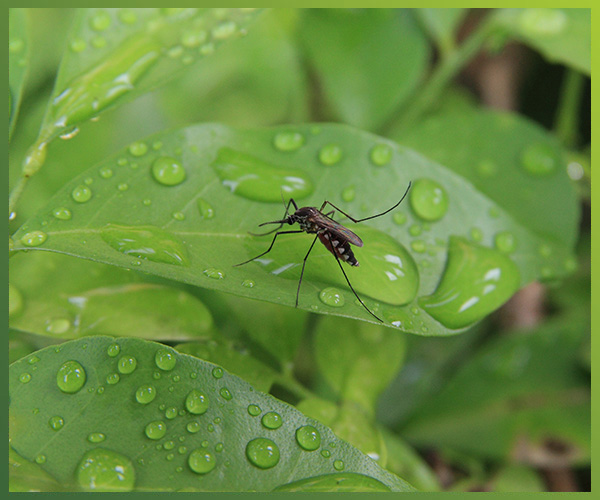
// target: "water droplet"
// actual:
[[325, 453], [113, 350], [70, 377], [171, 413], [127, 364], [415, 230], [192, 39], [127, 16], [100, 21], [248, 283], [428, 200], [205, 209], [272, 420], [96, 437], [262, 453], [34, 238], [169, 445], [332, 297], [145, 242], [113, 378], [40, 459], [156, 430], [217, 372], [505, 241], [196, 402], [418, 246], [330, 154], [308, 437], [168, 171], [543, 21], [58, 326], [24, 377], [62, 213], [258, 180], [225, 393], [224, 30], [348, 194], [475, 282], [539, 159], [219, 447], [254, 410], [145, 394], [81, 194], [56, 423], [214, 273], [138, 148], [181, 450], [165, 359], [339, 465], [123, 186], [201, 461], [105, 470], [381, 154], [288, 141], [399, 218], [193, 427]]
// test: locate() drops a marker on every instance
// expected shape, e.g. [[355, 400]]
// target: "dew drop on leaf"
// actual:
[[70, 377], [56, 423], [113, 378], [205, 209], [165, 359], [171, 413], [217, 372], [113, 350], [330, 154], [272, 420], [196, 402], [262, 453], [34, 238], [24, 378], [138, 149], [505, 241], [288, 141], [168, 171], [201, 461], [539, 159], [96, 437], [225, 393], [105, 470], [308, 437], [348, 194], [155, 430], [214, 273], [145, 394], [248, 283], [381, 154], [332, 297], [428, 200], [81, 194], [254, 410], [127, 364], [62, 213], [193, 427], [339, 465]]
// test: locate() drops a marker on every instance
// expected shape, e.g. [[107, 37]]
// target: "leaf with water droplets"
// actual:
[[242, 175], [18, 62], [155, 435], [561, 35]]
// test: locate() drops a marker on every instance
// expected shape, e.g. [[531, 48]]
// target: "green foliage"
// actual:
[[125, 235]]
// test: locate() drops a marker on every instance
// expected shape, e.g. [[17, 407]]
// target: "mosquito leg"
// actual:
[[269, 249], [303, 265], [353, 291], [366, 218]]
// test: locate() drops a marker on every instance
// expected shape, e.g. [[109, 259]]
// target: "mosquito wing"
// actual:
[[339, 230]]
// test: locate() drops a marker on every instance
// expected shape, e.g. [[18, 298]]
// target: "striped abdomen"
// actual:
[[338, 246]]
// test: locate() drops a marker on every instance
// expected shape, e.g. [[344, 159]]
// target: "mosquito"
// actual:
[[335, 237]]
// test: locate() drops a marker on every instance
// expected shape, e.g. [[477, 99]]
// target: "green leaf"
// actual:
[[24, 475], [441, 24], [91, 299], [511, 160], [102, 440], [165, 206], [18, 346], [18, 62], [515, 477], [357, 359], [368, 61], [562, 35], [522, 396], [116, 55]]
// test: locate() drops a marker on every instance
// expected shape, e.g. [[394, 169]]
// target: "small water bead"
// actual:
[[248, 283], [193, 427], [113, 378], [81, 194], [121, 162], [40, 459], [171, 412], [224, 30], [428, 199], [308, 437], [178, 216], [96, 437], [505, 241], [254, 410], [272, 420], [192, 39], [262, 453], [100, 390], [146, 202], [339, 465], [219, 447], [225, 393], [418, 246], [205, 209], [138, 148], [288, 141], [168, 171], [58, 326], [196, 402], [105, 470], [415, 230], [207, 49], [325, 453], [165, 359], [348, 194], [34, 238], [145, 394], [62, 213], [543, 21], [381, 154], [127, 364], [181, 450], [169, 445], [100, 21], [127, 16], [330, 154], [56, 423], [201, 461], [214, 273], [123, 186], [113, 350], [70, 377], [217, 372], [399, 218], [24, 378], [332, 297], [204, 444]]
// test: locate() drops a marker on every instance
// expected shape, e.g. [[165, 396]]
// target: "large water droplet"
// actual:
[[262, 453], [288, 141], [145, 394], [348, 194], [539, 159], [201, 461], [58, 326], [475, 282], [258, 180], [34, 238], [428, 199], [337, 482], [81, 194], [146, 242], [332, 297], [196, 402], [165, 359], [272, 420], [308, 437], [70, 377], [105, 470], [127, 364], [168, 171], [156, 430]]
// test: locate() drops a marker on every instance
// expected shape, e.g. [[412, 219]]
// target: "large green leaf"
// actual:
[[168, 422], [179, 205], [18, 62], [512, 160], [561, 35], [67, 298], [367, 61], [523, 395]]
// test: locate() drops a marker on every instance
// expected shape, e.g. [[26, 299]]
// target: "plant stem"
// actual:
[[567, 114], [446, 70]]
